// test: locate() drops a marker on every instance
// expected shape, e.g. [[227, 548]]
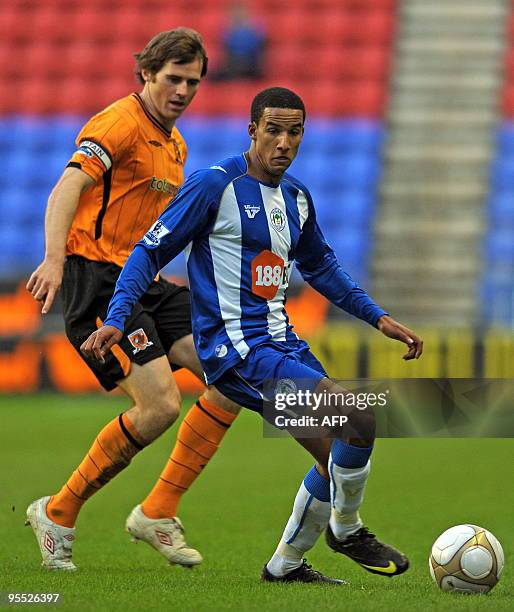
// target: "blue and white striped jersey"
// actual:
[[241, 238]]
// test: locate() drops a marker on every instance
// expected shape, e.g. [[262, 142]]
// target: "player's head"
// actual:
[[170, 67], [276, 128]]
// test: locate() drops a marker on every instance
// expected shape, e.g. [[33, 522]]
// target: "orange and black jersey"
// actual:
[[137, 166]]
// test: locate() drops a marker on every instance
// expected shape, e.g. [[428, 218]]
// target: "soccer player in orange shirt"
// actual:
[[128, 165]]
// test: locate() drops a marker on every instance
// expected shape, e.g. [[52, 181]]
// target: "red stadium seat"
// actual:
[[10, 96], [224, 98], [11, 26], [510, 26], [367, 5], [86, 60], [97, 24], [324, 98], [42, 59], [346, 98], [507, 101], [353, 62], [137, 25], [81, 97], [286, 27], [8, 66], [334, 26], [173, 15], [286, 61], [38, 95], [509, 63], [367, 99], [210, 23], [375, 27], [55, 23]]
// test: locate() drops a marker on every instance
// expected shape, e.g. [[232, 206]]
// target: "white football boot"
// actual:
[[54, 541], [165, 535]]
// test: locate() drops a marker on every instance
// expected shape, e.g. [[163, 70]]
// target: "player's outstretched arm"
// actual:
[[46, 279], [392, 329], [100, 342]]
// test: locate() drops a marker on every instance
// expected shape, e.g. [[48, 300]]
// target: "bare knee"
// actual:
[[363, 428], [163, 405], [156, 411], [213, 395]]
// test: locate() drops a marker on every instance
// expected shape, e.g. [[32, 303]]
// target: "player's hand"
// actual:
[[100, 342], [392, 329], [44, 283]]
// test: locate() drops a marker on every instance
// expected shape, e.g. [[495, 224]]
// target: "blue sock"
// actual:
[[317, 485], [348, 456]]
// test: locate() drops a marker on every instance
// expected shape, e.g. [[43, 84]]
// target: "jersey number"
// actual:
[[267, 274]]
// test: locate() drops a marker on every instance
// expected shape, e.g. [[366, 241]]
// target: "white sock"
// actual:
[[347, 493], [309, 517]]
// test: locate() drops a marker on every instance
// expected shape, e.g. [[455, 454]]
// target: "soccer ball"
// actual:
[[466, 559]]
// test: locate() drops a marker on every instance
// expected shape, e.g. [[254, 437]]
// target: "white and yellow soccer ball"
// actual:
[[466, 559]]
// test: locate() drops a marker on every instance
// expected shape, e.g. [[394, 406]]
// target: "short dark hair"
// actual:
[[275, 97], [181, 45]]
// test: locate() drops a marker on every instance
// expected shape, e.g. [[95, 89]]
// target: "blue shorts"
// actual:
[[271, 367]]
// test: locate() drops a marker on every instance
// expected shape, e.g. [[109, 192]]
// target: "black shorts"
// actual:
[[161, 317]]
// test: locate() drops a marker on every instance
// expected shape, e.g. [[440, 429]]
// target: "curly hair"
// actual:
[[275, 97]]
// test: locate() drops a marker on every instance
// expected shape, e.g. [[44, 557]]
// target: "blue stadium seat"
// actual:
[[15, 205], [499, 246], [333, 137], [348, 244], [502, 173], [356, 171], [498, 302], [341, 214], [22, 249], [501, 209], [17, 167], [505, 139]]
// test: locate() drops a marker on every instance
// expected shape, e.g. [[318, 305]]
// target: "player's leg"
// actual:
[[348, 461], [198, 438], [140, 365], [311, 511], [205, 424], [156, 405], [310, 514], [349, 468]]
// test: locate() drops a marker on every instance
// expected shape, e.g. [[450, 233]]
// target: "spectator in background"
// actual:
[[244, 43]]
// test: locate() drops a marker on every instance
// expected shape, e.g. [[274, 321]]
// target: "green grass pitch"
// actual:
[[235, 514]]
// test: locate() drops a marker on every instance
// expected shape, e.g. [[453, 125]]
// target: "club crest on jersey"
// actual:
[[278, 219], [155, 233], [139, 340], [251, 210]]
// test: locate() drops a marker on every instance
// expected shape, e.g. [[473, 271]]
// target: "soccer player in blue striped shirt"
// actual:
[[244, 222]]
